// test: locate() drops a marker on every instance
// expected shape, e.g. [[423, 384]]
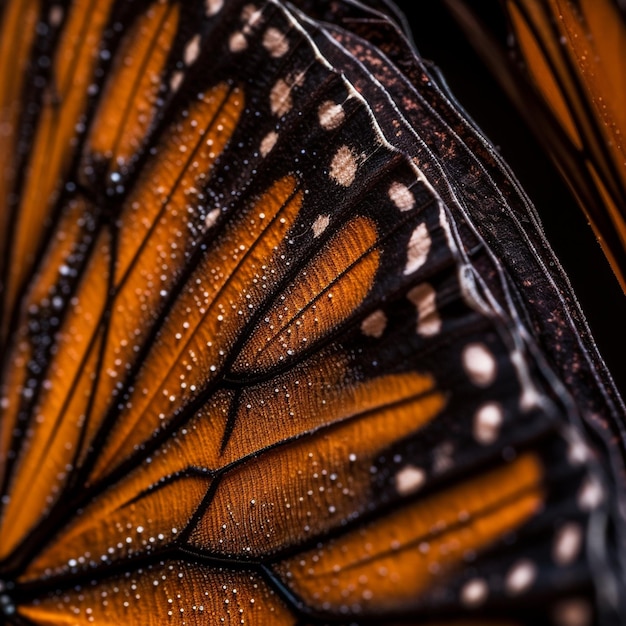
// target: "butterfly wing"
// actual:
[[565, 76], [258, 365]]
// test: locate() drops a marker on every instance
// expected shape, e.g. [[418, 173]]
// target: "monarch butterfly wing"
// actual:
[[470, 196], [34, 160], [539, 282], [245, 377], [15, 51], [283, 200], [488, 200], [568, 85], [76, 237]]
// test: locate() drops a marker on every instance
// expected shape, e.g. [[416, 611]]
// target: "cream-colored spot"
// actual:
[[331, 115], [530, 398], [520, 577], [418, 249], [55, 16], [343, 167], [320, 224], [192, 50], [252, 18], [577, 451], [573, 612], [480, 365], [275, 42], [487, 423], [213, 7], [268, 142], [176, 80], [374, 324], [401, 196], [474, 592], [211, 218], [409, 480], [280, 97], [567, 543], [237, 42], [424, 297], [591, 494], [248, 12]]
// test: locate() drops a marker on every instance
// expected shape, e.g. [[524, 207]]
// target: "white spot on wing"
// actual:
[[280, 97], [520, 577], [343, 167], [374, 324], [591, 495], [56, 15], [331, 115], [192, 50], [251, 16], [474, 592], [211, 218], [275, 42], [268, 142], [530, 398], [418, 249], [480, 365], [487, 423], [176, 80], [423, 296], [401, 196], [320, 225], [237, 42], [577, 451], [247, 12], [567, 543], [213, 7], [410, 479], [573, 612]]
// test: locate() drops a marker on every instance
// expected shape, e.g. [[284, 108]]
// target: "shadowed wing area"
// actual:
[[283, 341]]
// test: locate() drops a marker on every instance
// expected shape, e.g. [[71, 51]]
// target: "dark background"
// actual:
[[439, 39]]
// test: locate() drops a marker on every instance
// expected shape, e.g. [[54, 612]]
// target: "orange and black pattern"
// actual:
[[563, 67], [282, 340]]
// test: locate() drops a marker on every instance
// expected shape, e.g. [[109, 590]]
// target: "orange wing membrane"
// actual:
[[564, 73]]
